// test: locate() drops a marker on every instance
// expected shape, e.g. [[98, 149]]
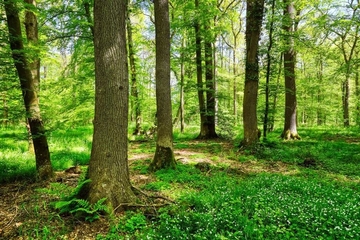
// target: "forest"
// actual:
[[199, 119]]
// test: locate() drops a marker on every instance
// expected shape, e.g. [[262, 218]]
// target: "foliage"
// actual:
[[81, 208], [263, 207]]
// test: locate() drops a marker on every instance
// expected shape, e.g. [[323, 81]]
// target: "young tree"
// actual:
[[254, 16], [135, 101], [28, 70], [290, 124], [164, 155], [108, 166]]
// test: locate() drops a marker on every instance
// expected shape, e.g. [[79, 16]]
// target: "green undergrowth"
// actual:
[[314, 191], [262, 206], [334, 150]]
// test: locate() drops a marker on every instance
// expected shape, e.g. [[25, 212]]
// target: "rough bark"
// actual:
[[290, 123], [108, 166], [135, 102], [254, 15], [164, 156], [28, 83]]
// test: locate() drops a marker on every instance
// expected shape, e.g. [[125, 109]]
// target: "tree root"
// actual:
[[149, 196]]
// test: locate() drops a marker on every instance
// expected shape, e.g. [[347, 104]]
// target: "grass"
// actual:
[[266, 193]]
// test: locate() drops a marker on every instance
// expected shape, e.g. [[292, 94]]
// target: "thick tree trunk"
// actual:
[[290, 123], [254, 15], [164, 155], [29, 85], [108, 166], [135, 102]]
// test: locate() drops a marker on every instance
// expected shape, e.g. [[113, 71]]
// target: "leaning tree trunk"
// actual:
[[290, 123], [254, 15], [108, 166], [164, 155], [28, 82]]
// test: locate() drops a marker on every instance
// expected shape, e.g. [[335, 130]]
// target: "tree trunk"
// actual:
[[108, 166], [182, 84], [135, 102], [210, 90], [254, 15], [164, 155], [319, 112], [345, 89], [275, 95], [290, 124], [268, 71], [200, 84], [29, 86]]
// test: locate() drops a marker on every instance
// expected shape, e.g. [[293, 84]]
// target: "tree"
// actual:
[[27, 70], [254, 16], [268, 70], [108, 166], [290, 123], [135, 102], [164, 155]]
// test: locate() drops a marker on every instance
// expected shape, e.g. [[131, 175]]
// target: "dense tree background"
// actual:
[[326, 64]]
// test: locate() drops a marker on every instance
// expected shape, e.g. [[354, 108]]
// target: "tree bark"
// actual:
[[290, 123], [108, 166], [254, 15], [164, 155], [27, 73]]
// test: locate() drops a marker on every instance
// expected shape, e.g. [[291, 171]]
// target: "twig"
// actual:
[[16, 207]]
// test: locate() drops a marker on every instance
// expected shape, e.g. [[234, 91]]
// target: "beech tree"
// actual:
[[108, 166], [254, 16], [28, 72], [289, 25], [164, 155]]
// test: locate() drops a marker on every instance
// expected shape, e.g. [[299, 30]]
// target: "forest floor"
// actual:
[[26, 210], [23, 206]]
